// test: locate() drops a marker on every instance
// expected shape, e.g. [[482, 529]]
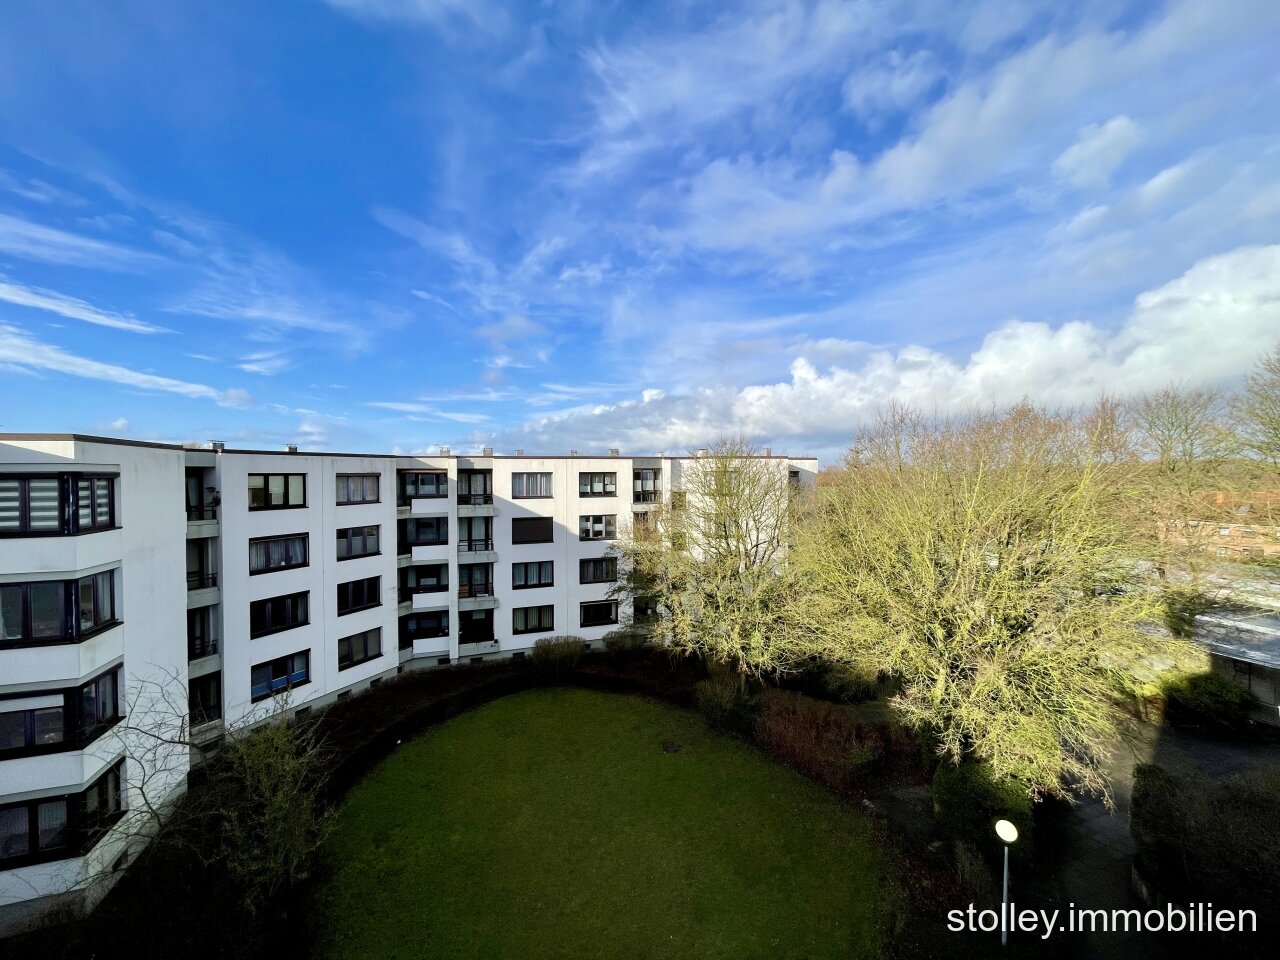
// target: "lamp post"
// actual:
[[1007, 833]]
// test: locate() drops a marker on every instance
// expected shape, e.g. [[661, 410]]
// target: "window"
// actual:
[[359, 595], [359, 648], [283, 673], [428, 578], [99, 704], [434, 483], [423, 532], [475, 580], [104, 801], [204, 699], [357, 488], [646, 485], [597, 484], [475, 486], [532, 530], [537, 574], [598, 527], [57, 611], [526, 485], [475, 533], [533, 619], [599, 613], [601, 570], [278, 613], [357, 542], [645, 609], [277, 491], [201, 641], [277, 553], [33, 727], [59, 504]]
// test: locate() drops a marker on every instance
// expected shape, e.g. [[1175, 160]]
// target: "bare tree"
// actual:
[[1257, 409]]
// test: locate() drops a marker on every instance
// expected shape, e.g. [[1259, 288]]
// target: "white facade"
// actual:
[[461, 564]]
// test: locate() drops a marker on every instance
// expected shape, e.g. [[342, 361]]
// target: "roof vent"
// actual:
[[573, 453], [613, 451], [218, 446], [486, 452], [291, 448], [519, 453], [444, 451], [768, 451], [702, 451]]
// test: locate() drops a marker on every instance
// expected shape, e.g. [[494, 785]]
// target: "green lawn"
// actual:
[[554, 824]]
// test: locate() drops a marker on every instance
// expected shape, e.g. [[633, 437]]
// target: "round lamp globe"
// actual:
[[1006, 831]]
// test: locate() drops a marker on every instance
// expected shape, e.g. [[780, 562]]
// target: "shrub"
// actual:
[[968, 801], [1206, 700], [626, 643], [554, 658], [849, 685], [1198, 840], [727, 704], [822, 740], [976, 875], [1181, 607]]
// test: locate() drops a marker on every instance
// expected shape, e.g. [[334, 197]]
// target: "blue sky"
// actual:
[[388, 225]]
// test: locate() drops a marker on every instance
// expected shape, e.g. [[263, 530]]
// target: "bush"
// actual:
[[1198, 840], [968, 801], [1182, 606], [727, 704], [1206, 700], [554, 658], [849, 685], [626, 643], [822, 740]]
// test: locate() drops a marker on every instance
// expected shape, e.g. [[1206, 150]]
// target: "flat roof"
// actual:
[[87, 438], [1253, 636]]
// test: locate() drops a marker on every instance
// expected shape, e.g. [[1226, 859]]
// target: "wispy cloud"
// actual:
[[32, 241], [20, 350], [72, 308]]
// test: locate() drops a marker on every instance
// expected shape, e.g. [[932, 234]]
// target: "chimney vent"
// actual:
[[444, 451], [702, 451], [573, 453], [218, 446], [768, 451], [291, 448], [613, 451], [486, 452], [519, 453]]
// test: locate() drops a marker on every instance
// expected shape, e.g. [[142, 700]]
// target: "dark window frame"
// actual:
[[582, 613], [544, 625], [524, 475], [266, 487], [607, 521], [71, 630], [363, 538], [342, 480], [524, 567], [440, 485], [68, 507], [283, 598], [405, 545], [611, 563], [367, 587], [288, 676], [354, 661], [306, 550], [604, 483]]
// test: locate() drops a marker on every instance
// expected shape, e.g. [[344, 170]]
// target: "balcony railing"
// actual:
[[475, 590], [646, 496], [201, 581], [475, 544], [200, 647], [475, 499], [208, 511], [408, 593]]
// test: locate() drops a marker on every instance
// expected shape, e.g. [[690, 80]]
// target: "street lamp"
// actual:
[[1007, 833]]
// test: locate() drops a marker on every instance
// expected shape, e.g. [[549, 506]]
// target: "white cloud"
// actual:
[[1208, 325], [482, 15], [1091, 160], [22, 351], [265, 363], [892, 84], [32, 241], [72, 308]]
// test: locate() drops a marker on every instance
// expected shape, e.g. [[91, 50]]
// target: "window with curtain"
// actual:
[[527, 485], [434, 483], [538, 619], [57, 611], [599, 570], [540, 573], [60, 504], [357, 488], [599, 613], [275, 614], [357, 542], [277, 553], [597, 484], [277, 491], [359, 648], [283, 673]]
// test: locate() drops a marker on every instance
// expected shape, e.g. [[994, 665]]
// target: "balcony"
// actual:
[[428, 506], [202, 589], [475, 545], [199, 647], [408, 593], [475, 499], [478, 648], [646, 496], [201, 581]]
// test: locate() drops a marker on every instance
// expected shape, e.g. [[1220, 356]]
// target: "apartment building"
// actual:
[[154, 596]]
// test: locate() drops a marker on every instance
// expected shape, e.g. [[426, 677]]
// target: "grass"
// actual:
[[555, 824]]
